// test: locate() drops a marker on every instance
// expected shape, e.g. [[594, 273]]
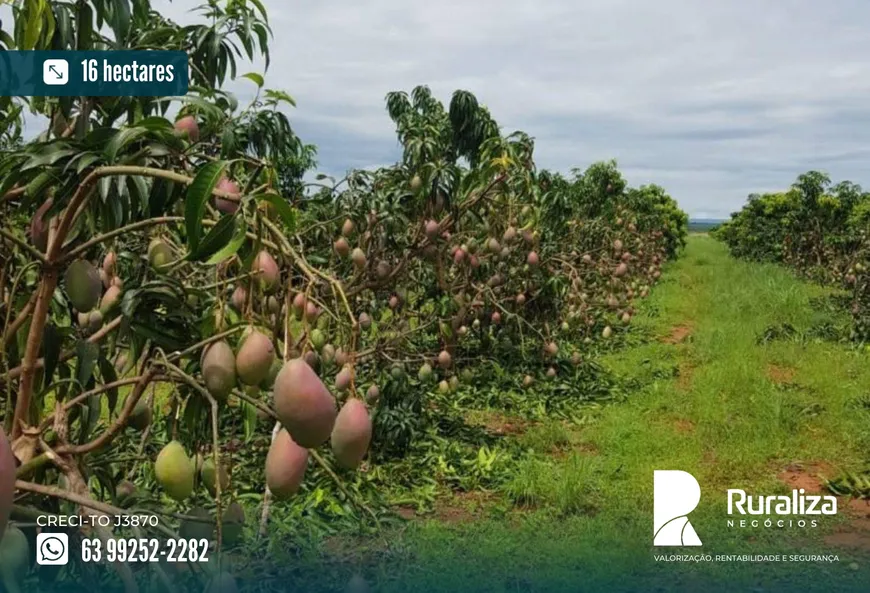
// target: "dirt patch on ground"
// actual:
[[563, 452], [498, 424], [453, 514], [684, 426], [808, 476], [849, 539], [684, 376], [860, 507], [406, 512], [855, 533], [780, 374], [457, 507], [678, 334], [462, 506], [587, 448]]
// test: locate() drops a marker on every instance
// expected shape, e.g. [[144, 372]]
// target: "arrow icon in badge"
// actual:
[[55, 72]]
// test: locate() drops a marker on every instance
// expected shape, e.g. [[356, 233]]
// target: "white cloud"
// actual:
[[712, 100]]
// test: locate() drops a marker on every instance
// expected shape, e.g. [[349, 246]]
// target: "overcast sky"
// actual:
[[711, 99]]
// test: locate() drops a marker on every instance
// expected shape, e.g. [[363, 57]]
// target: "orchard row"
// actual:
[[817, 228]]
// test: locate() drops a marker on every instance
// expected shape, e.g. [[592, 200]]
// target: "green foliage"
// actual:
[[705, 420], [546, 437], [526, 273], [816, 228], [568, 487]]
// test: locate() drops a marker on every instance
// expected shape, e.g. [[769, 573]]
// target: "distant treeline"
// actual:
[[703, 225]]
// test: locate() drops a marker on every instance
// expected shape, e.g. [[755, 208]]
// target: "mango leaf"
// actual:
[[90, 416], [159, 200], [259, 5], [154, 123], [84, 26], [217, 238], [251, 420], [98, 138], [52, 340], [205, 108], [195, 409], [40, 183], [86, 360], [279, 96], [138, 190], [263, 33], [82, 161], [64, 28], [120, 20], [105, 185], [107, 371], [104, 476], [198, 195], [228, 141], [48, 155], [256, 78], [287, 213], [121, 140], [156, 149], [233, 246], [64, 375], [157, 312], [32, 28]]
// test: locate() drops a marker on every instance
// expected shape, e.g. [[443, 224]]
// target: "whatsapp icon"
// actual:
[[52, 549]]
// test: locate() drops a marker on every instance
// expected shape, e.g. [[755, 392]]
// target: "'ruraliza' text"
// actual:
[[798, 503]]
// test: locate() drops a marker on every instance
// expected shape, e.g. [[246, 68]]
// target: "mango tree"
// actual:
[[166, 280]]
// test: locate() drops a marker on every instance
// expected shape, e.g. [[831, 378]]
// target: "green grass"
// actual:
[[566, 488], [730, 410], [546, 437]]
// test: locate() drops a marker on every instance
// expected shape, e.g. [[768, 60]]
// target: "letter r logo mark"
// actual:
[[676, 494]]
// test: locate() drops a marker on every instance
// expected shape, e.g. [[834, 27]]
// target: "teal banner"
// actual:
[[93, 73]]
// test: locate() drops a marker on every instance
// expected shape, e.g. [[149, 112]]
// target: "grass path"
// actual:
[[705, 397]]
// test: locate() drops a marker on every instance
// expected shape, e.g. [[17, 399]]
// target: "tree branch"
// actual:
[[34, 341], [15, 192], [96, 391], [95, 337], [30, 249], [72, 254], [22, 317], [119, 423]]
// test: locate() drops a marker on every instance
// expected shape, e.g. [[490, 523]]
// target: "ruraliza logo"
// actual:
[[676, 494]]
